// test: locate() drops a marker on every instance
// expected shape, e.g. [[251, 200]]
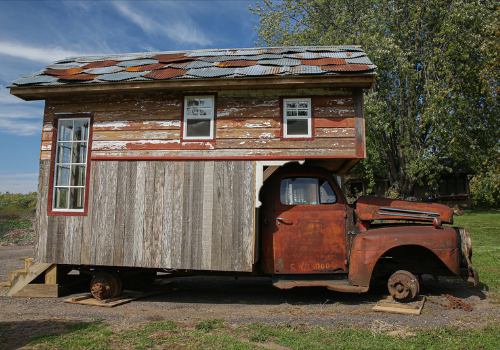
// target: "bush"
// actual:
[[17, 205], [485, 188]]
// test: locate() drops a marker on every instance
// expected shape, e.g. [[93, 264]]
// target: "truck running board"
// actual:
[[332, 282]]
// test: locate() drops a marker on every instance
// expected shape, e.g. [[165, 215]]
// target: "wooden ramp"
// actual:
[[35, 280], [126, 297], [388, 304]]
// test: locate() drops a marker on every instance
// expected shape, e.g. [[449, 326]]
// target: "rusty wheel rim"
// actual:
[[403, 286], [106, 285]]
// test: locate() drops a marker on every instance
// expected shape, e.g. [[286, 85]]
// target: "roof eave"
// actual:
[[31, 93]]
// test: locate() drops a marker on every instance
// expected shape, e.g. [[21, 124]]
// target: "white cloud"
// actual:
[[19, 183], [41, 54], [21, 120], [178, 27]]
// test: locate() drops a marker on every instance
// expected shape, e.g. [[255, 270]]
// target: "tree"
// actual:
[[430, 99]]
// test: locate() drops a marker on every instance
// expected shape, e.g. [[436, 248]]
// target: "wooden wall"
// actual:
[[162, 214], [248, 124]]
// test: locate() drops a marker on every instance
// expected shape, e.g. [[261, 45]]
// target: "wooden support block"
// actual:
[[39, 291], [410, 308], [51, 275], [125, 298]]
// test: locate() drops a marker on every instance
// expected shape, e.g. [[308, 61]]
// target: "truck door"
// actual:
[[310, 226]]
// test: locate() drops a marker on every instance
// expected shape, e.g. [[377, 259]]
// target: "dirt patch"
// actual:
[[247, 300]]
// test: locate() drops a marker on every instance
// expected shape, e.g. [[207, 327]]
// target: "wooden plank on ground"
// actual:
[[388, 304], [127, 297]]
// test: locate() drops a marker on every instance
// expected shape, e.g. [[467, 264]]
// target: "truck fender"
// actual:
[[369, 246]]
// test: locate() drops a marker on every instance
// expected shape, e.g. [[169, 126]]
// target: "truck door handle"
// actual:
[[282, 219]]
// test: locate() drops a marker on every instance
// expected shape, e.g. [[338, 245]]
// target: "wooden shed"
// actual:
[[156, 159]]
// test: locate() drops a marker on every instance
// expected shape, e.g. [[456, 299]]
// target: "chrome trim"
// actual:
[[409, 211]]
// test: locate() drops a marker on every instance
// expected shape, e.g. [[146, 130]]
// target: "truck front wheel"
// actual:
[[403, 286]]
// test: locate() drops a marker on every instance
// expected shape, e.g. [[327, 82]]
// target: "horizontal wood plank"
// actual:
[[247, 123], [260, 133], [334, 122], [120, 125], [326, 112], [137, 135], [333, 101], [277, 143], [151, 144], [334, 132]]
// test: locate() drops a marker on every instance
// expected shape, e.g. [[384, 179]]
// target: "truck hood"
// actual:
[[375, 208]]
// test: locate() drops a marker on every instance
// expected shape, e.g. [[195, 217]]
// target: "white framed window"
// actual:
[[70, 166], [199, 114], [297, 118]]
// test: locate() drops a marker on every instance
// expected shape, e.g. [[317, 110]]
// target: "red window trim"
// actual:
[[50, 211], [282, 119], [215, 95]]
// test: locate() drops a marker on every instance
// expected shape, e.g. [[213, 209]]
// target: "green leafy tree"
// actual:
[[431, 98]]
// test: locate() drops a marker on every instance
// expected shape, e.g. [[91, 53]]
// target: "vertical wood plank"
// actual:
[[51, 234], [97, 221], [139, 213], [227, 215], [218, 201], [167, 225], [359, 123], [237, 230], [157, 231], [86, 240], [121, 207], [77, 231], [208, 206], [177, 210], [106, 242], [149, 189], [187, 219], [197, 215], [58, 251], [249, 222], [41, 212], [128, 241]]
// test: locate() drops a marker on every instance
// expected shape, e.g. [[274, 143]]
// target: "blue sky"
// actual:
[[33, 34]]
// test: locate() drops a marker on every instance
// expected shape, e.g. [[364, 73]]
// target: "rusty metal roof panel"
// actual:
[[359, 60], [120, 76], [323, 61], [148, 67], [284, 62], [238, 63], [346, 68], [192, 65], [259, 70], [39, 79], [104, 70], [135, 63], [249, 52], [64, 66], [304, 55], [306, 70], [100, 64], [166, 73], [212, 72]]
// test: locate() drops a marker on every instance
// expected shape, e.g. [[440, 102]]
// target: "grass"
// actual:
[[484, 228], [169, 335], [16, 231]]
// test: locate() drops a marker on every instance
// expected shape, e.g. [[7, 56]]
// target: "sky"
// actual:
[[34, 34]]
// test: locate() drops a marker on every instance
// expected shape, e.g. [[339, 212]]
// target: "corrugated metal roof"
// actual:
[[197, 64]]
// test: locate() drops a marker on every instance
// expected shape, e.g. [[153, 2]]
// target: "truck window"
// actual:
[[306, 191]]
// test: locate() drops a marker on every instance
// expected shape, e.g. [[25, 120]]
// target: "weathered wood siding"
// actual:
[[248, 124], [161, 214]]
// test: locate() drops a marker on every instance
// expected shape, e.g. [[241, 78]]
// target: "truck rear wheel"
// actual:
[[403, 285]]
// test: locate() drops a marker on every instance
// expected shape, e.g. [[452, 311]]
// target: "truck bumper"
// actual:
[[470, 275]]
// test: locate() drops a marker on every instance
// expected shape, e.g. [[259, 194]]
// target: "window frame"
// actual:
[[318, 193], [284, 119], [211, 137], [51, 210]]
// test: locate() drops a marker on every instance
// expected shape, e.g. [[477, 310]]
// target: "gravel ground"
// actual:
[[241, 301]]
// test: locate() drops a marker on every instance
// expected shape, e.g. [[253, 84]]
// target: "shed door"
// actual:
[[310, 227]]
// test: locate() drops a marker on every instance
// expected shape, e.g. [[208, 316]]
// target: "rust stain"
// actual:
[[64, 71], [237, 63], [101, 64], [166, 73], [153, 66], [346, 68], [324, 61], [173, 57]]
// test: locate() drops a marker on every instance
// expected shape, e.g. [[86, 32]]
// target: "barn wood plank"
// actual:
[[139, 213], [208, 206], [168, 205], [129, 125], [45, 155], [149, 203], [46, 146], [73, 239], [333, 101], [248, 222], [121, 208], [197, 214], [257, 133], [151, 145], [177, 214], [158, 212], [325, 112], [283, 91], [359, 123], [187, 216], [334, 132], [324, 143], [334, 122], [247, 123], [218, 212], [136, 135], [47, 135], [87, 220], [300, 153], [58, 246], [41, 229], [130, 201], [230, 102], [160, 114], [237, 230], [248, 112], [228, 207]]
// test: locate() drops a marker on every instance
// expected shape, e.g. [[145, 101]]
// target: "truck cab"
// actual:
[[311, 236]]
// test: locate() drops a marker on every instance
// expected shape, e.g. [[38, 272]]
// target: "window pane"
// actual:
[[63, 152], [79, 152], [326, 194], [80, 131], [77, 198], [205, 102], [61, 201], [303, 104], [192, 111], [205, 111], [297, 127], [198, 128], [299, 191], [65, 130], [78, 175], [62, 175], [291, 104], [303, 112], [291, 113]]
